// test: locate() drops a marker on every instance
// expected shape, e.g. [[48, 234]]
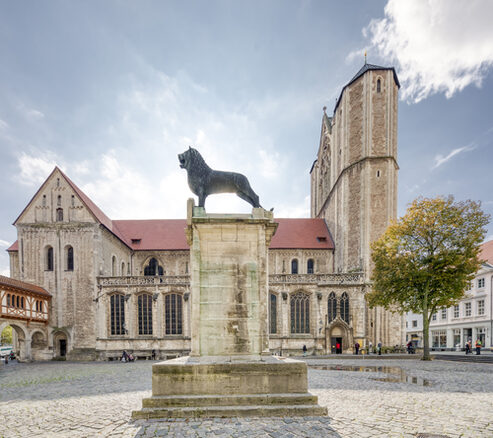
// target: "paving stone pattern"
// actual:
[[60, 399]]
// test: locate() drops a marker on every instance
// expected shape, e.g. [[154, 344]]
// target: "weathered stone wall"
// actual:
[[280, 260]]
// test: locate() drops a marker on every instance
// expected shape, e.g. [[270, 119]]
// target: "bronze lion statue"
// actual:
[[204, 181]]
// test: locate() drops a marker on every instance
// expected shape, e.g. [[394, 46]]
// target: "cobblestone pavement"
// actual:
[[59, 399]]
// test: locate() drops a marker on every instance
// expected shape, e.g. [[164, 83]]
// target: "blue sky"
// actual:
[[112, 91]]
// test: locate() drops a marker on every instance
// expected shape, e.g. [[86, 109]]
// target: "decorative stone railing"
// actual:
[[165, 280], [320, 279], [141, 280]]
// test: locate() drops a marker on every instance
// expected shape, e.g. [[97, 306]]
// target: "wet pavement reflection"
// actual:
[[396, 374]]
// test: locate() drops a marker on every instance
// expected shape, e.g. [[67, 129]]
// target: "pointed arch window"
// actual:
[[117, 314], [273, 313], [310, 266], [294, 266], [345, 307], [49, 259], [70, 258], [332, 307], [153, 268], [144, 303], [173, 314], [379, 86], [59, 200], [59, 214], [300, 313], [44, 200]]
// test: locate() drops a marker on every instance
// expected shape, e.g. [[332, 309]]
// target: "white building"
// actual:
[[471, 319]]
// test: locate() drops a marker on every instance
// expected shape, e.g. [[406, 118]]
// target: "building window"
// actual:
[[456, 311], [153, 268], [49, 259], [294, 266], [345, 307], [434, 317], [415, 322], [8, 300], [439, 338], [457, 337], [44, 200], [59, 214], [481, 333], [309, 266], [444, 313], [467, 309], [481, 307], [73, 201], [123, 269], [59, 200], [469, 285], [300, 313], [273, 313], [70, 258], [173, 314], [480, 283], [113, 266], [145, 314], [117, 314], [332, 309]]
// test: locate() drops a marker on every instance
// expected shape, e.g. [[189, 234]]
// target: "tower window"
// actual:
[[379, 86], [70, 258], [44, 200], [59, 214], [73, 201], [378, 174], [49, 259]]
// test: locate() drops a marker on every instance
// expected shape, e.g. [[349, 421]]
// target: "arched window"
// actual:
[[18, 302], [273, 313], [59, 200], [145, 314], [294, 266], [59, 214], [49, 258], [22, 302], [173, 314], [44, 200], [113, 266], [117, 314], [73, 201], [123, 269], [332, 308], [153, 268], [309, 266], [345, 307], [70, 258], [379, 86], [300, 313]]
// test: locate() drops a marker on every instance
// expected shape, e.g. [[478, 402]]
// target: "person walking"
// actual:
[[379, 348], [304, 350], [468, 347], [478, 346], [356, 348], [370, 347]]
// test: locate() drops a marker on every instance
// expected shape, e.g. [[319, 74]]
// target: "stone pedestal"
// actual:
[[230, 371]]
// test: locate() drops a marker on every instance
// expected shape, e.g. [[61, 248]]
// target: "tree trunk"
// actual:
[[426, 337]]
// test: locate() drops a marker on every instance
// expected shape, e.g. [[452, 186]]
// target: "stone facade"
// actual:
[[353, 189]]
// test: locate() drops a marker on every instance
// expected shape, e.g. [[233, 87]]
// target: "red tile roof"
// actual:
[[487, 252], [10, 282], [302, 234], [14, 247]]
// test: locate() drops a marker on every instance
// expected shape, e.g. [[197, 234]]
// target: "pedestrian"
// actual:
[[338, 348], [409, 347], [468, 347], [478, 346], [370, 347], [304, 350], [356, 348], [153, 354], [124, 356], [379, 348]]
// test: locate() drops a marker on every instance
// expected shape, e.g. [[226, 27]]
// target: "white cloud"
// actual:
[[3, 125], [5, 271], [35, 169], [440, 46], [4, 243], [295, 210], [440, 159]]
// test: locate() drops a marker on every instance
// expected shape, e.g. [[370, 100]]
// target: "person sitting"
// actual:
[[124, 356]]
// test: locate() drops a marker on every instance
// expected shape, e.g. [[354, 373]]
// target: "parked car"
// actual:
[[5, 350]]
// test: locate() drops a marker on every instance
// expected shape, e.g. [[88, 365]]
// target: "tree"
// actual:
[[425, 260], [6, 335]]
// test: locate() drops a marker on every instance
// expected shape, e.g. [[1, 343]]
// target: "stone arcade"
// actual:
[[125, 284]]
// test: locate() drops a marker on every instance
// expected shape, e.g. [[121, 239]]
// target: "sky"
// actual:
[[112, 91]]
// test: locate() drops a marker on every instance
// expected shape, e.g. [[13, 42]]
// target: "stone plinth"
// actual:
[[230, 371]]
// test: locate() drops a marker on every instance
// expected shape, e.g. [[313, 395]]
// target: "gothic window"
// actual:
[[309, 266], [145, 314], [153, 268], [294, 266], [113, 266], [379, 86], [273, 313], [73, 201], [332, 309], [123, 269], [44, 200], [59, 200], [300, 313], [49, 258], [59, 214], [117, 314], [345, 307], [70, 258], [173, 314]]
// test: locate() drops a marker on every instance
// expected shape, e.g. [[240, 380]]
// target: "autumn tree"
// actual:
[[424, 261]]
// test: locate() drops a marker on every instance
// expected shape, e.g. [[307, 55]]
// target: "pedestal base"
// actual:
[[204, 387]]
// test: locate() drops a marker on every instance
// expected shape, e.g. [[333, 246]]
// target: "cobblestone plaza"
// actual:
[[365, 398]]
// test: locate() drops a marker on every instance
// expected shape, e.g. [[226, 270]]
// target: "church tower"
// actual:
[[354, 179]]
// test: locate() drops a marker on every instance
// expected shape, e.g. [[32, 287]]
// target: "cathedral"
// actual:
[[97, 286]]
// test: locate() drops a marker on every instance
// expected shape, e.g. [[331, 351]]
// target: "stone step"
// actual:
[[229, 400], [231, 411]]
